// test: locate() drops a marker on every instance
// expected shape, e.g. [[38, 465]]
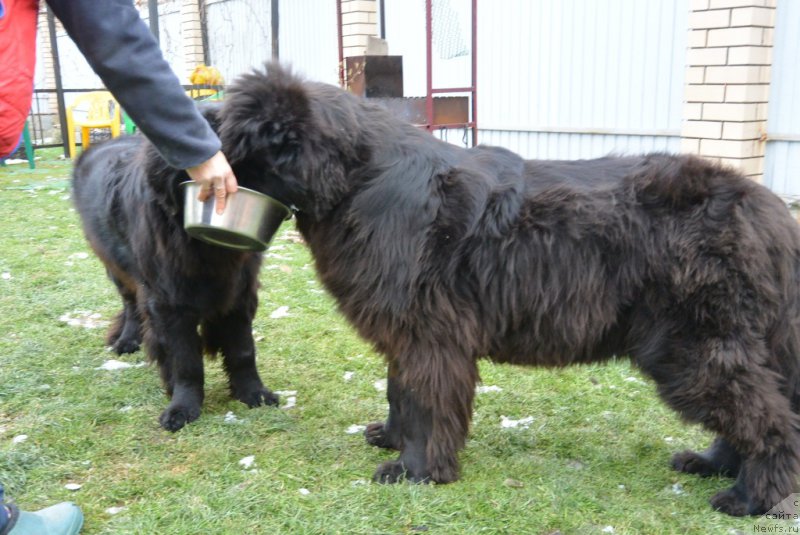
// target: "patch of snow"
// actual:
[[73, 486], [522, 423], [575, 465], [112, 365], [355, 428], [247, 462], [115, 510], [231, 418], [280, 312], [483, 389], [348, 375], [380, 385], [290, 396], [19, 439], [83, 318]]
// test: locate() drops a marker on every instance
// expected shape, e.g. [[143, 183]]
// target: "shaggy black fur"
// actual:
[[441, 255], [132, 214]]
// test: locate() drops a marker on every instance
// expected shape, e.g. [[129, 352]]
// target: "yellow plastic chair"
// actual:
[[206, 77], [97, 109]]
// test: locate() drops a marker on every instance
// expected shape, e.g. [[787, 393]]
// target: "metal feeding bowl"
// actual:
[[249, 221]]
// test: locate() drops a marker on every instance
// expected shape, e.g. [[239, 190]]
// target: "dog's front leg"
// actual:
[[233, 336], [172, 340], [389, 434], [430, 416]]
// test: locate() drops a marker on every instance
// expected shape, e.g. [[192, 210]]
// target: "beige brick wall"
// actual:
[[727, 81], [359, 21]]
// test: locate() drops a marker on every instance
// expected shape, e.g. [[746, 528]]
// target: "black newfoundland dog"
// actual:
[[440, 255], [132, 213]]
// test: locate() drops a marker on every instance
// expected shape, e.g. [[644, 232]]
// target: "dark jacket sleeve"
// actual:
[[120, 48]]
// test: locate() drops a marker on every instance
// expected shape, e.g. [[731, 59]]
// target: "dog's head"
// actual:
[[291, 139]]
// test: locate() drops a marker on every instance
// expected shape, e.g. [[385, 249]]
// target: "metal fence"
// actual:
[[782, 161], [238, 35], [580, 79]]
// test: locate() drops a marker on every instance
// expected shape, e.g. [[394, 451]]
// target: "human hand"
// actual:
[[215, 174]]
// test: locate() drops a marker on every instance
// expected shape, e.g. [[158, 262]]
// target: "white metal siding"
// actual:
[[76, 72], [309, 40], [782, 162], [239, 35], [581, 78], [566, 79]]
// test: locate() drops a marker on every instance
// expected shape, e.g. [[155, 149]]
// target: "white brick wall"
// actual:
[[191, 35], [727, 81], [359, 21]]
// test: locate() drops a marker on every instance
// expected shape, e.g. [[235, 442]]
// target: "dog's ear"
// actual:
[[211, 111], [264, 115]]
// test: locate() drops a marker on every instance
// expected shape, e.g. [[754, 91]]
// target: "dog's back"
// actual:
[[102, 174]]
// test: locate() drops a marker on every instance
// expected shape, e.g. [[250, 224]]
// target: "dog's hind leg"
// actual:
[[430, 420], [232, 335], [173, 342], [726, 386], [125, 333], [721, 458]]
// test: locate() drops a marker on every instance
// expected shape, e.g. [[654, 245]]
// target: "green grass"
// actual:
[[595, 455]]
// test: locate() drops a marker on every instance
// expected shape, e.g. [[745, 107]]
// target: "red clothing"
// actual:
[[18, 60]]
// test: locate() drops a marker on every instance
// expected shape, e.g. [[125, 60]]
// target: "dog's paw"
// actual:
[[258, 397], [376, 435], [125, 345], [732, 503], [175, 418], [395, 472], [693, 463], [389, 472]]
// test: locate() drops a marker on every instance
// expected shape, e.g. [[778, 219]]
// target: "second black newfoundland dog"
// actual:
[[131, 207], [440, 255]]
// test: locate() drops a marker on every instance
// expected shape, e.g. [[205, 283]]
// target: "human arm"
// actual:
[[121, 50]]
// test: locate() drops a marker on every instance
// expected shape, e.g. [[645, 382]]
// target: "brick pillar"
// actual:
[[727, 81], [359, 22], [192, 35]]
